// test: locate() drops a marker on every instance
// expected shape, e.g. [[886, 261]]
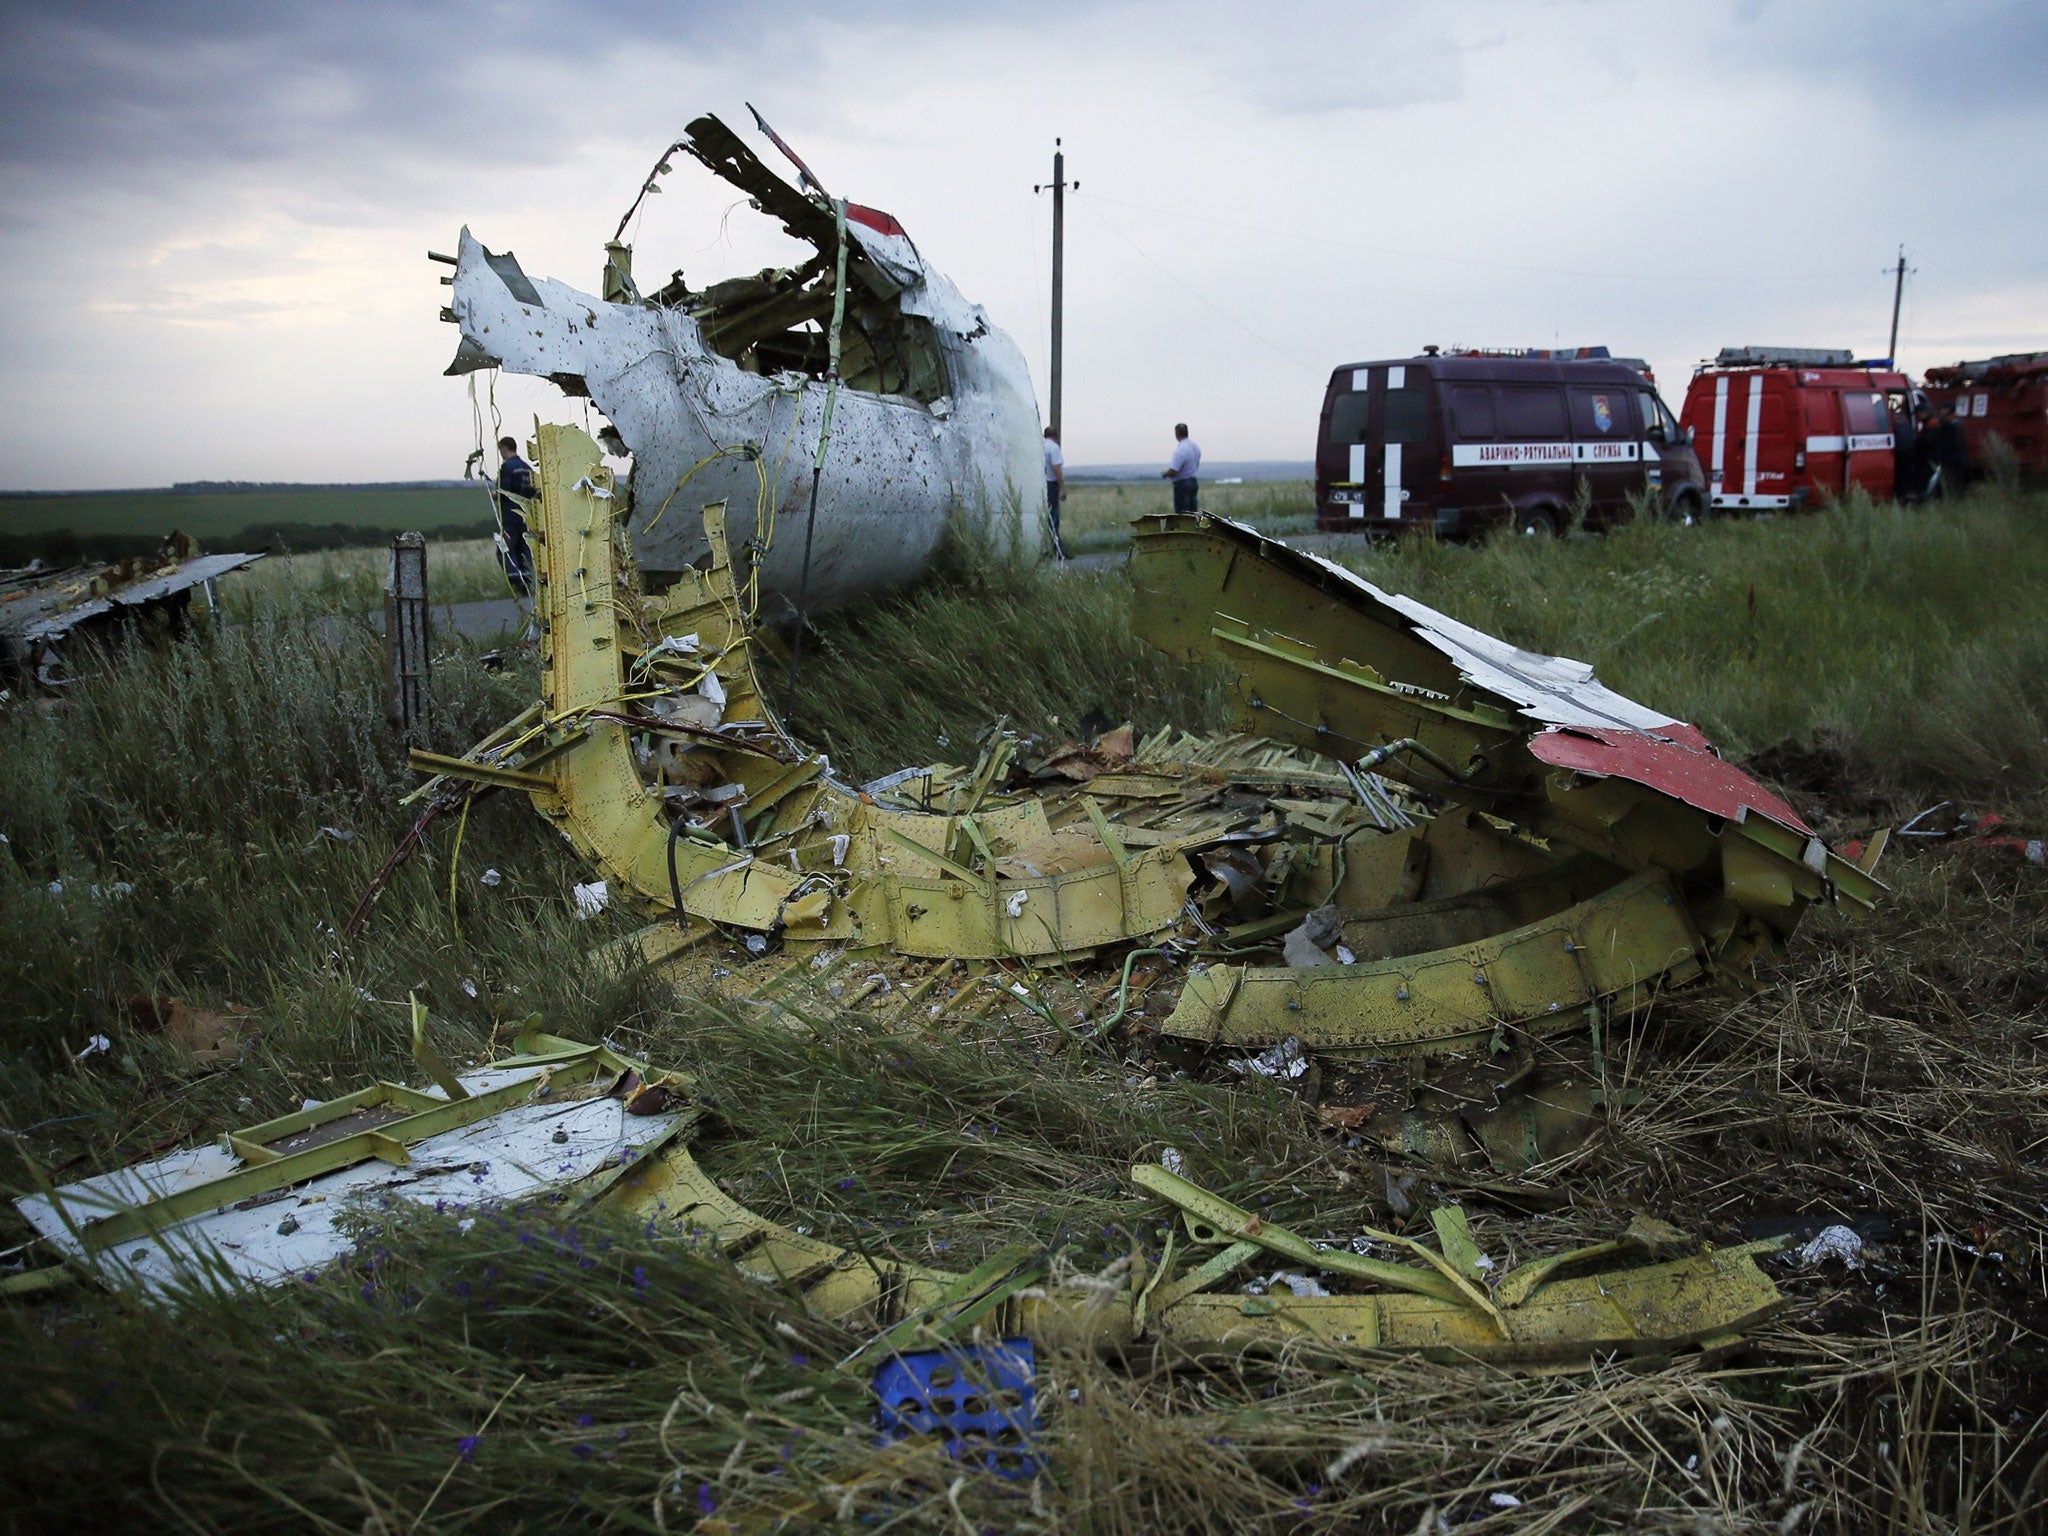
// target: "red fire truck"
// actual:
[[1778, 427], [2005, 397]]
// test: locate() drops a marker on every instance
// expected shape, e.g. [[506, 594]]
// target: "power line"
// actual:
[[1439, 257], [1089, 204]]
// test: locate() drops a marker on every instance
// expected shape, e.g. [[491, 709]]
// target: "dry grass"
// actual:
[[1895, 1072]]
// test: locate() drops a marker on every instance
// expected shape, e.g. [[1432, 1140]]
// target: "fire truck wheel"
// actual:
[[1539, 522]]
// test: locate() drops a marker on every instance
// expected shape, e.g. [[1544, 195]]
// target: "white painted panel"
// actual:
[[1756, 411]]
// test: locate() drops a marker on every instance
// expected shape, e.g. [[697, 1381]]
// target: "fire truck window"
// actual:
[[1406, 415], [1347, 419], [1598, 413], [1531, 411], [1472, 412], [1863, 413]]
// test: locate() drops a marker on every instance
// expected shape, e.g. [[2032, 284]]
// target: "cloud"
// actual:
[[1930, 65], [214, 216]]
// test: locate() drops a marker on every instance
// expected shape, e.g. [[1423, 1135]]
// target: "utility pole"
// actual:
[[1059, 185], [1898, 293]]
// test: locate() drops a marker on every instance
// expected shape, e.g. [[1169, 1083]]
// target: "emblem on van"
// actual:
[[1603, 418]]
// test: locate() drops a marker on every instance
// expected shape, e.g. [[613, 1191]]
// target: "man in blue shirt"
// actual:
[[515, 489], [1055, 484], [1183, 468]]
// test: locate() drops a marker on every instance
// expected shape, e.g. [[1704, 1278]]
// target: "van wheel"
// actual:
[[1686, 509], [1539, 523]]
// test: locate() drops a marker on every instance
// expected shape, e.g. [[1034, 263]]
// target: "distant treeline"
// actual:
[[61, 547], [251, 488]]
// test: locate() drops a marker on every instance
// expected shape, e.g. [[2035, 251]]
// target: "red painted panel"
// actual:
[[1677, 762]]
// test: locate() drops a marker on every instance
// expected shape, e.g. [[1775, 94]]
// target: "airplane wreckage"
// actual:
[[42, 611], [1416, 884], [928, 409], [1418, 888]]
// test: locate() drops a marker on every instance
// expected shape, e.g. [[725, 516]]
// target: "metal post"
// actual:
[[1059, 185], [1891, 352], [406, 634]]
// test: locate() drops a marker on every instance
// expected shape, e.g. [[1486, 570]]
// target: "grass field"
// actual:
[[212, 517], [1096, 515], [352, 580], [537, 1374]]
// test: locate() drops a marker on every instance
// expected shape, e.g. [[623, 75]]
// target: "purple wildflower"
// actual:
[[466, 1447]]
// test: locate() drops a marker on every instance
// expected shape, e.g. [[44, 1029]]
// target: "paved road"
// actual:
[[501, 619], [498, 619]]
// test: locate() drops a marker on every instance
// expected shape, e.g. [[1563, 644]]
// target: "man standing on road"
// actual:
[[1055, 484], [515, 489], [1183, 468]]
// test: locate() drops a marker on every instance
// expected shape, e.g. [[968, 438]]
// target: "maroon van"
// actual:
[[1461, 442]]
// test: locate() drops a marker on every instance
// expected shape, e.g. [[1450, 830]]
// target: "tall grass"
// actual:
[[1097, 515], [352, 580], [530, 1371], [1911, 639], [916, 677]]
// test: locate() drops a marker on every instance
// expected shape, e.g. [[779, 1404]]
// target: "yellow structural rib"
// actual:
[[1616, 945], [1527, 1318], [657, 757]]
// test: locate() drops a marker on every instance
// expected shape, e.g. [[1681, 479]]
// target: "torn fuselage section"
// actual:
[[720, 394], [1434, 956]]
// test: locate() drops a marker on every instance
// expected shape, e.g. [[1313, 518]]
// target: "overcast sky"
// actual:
[[215, 216]]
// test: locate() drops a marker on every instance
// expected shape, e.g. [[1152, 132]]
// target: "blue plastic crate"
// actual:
[[982, 1400]]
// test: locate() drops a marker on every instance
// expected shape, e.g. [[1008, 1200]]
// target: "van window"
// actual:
[[1653, 412], [1531, 411], [1406, 414], [1472, 412], [1601, 413], [1347, 419], [1863, 413]]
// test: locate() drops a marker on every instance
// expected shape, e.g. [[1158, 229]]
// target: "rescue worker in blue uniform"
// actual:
[[515, 480]]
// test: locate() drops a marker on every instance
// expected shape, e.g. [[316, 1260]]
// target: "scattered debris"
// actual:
[[1425, 844], [1286, 1060], [557, 1116], [1840, 1243], [980, 1401], [43, 610], [475, 1138]]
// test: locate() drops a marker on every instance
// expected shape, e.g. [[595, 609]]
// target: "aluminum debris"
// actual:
[[275, 1201], [40, 610], [1425, 844], [721, 392]]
